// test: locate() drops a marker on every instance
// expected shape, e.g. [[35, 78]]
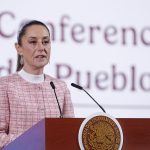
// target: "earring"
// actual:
[[21, 60]]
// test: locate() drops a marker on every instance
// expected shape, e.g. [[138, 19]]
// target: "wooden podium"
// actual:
[[62, 134]]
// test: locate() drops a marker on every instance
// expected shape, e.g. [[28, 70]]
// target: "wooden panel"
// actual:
[[136, 133], [62, 134]]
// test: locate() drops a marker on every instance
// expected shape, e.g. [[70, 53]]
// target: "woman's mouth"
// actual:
[[40, 56]]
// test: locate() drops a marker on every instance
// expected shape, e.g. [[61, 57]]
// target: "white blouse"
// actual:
[[30, 77]]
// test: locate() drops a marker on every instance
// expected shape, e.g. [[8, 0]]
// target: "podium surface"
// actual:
[[62, 134]]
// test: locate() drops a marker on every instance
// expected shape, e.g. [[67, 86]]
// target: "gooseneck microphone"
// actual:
[[53, 87], [81, 88]]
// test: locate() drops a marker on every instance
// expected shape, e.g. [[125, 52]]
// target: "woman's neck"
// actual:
[[33, 71], [31, 77]]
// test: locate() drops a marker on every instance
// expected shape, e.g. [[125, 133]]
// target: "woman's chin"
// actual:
[[40, 64]]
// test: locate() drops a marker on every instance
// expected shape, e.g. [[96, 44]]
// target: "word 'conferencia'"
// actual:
[[65, 30]]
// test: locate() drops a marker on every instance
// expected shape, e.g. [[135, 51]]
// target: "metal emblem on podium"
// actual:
[[100, 131]]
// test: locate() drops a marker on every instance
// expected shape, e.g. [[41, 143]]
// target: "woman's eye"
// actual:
[[32, 42], [45, 42]]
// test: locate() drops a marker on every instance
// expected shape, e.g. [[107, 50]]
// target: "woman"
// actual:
[[26, 96]]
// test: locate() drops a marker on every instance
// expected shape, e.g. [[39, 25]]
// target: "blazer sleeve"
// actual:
[[4, 114], [68, 110]]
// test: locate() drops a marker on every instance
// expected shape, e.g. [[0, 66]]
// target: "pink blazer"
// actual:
[[23, 104]]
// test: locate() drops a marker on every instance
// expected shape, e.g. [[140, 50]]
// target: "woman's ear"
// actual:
[[18, 48]]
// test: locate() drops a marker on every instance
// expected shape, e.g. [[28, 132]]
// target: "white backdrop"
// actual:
[[102, 45]]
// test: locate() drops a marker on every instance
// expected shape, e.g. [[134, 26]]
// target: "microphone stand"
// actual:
[[53, 87], [95, 101], [81, 88]]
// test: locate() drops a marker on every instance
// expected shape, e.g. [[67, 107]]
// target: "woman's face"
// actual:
[[35, 48]]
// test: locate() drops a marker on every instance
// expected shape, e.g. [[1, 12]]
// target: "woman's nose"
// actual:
[[40, 46]]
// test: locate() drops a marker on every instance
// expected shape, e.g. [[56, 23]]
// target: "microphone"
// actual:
[[53, 87], [81, 88]]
